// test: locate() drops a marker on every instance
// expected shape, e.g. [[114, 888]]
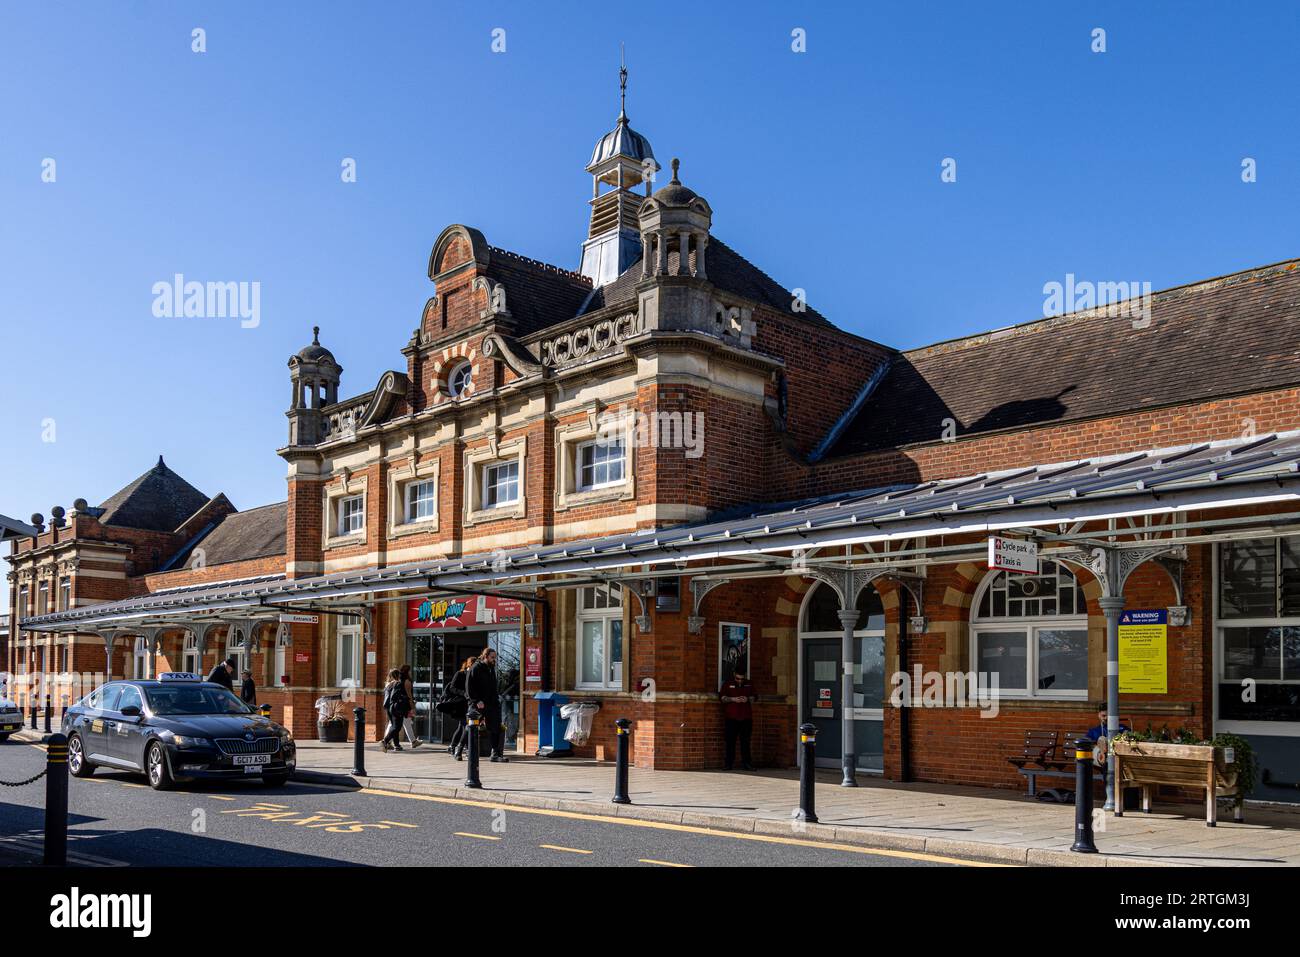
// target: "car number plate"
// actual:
[[247, 759], [11, 727]]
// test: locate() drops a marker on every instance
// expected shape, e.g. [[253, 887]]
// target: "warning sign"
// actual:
[[1144, 652]]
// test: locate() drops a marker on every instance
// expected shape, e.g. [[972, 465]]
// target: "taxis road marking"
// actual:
[[481, 837], [683, 828], [570, 850], [650, 860]]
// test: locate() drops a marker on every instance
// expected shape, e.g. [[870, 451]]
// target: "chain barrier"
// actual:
[[19, 784]]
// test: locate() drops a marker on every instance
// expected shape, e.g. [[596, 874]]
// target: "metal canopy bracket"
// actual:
[[642, 588], [700, 588]]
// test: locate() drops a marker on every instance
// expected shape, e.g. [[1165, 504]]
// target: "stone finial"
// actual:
[[38, 520], [676, 163], [80, 505]]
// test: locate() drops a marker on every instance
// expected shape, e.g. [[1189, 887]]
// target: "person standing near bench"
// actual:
[[1099, 736]]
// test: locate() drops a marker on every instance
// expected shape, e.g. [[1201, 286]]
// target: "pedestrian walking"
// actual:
[[408, 726], [396, 705], [248, 690], [481, 683], [454, 703]]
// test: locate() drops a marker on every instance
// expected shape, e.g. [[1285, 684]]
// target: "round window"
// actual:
[[458, 382]]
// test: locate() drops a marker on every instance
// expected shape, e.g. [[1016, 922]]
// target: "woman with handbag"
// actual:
[[397, 704], [454, 703]]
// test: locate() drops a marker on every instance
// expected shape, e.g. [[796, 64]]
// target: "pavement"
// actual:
[[115, 819], [940, 821], [985, 824]]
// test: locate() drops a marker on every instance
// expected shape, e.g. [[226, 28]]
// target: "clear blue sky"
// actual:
[[822, 167]]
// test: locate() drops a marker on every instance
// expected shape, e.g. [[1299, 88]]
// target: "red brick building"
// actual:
[[636, 478]]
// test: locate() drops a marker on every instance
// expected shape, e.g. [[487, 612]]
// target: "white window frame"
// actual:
[[605, 616], [466, 367], [280, 661], [1281, 729], [487, 474], [140, 658], [349, 630], [1031, 625], [43, 597], [400, 481], [344, 519], [236, 650], [477, 462], [592, 446], [190, 653], [65, 592], [413, 499]]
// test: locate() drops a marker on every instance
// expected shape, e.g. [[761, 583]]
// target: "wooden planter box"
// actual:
[[1146, 764]]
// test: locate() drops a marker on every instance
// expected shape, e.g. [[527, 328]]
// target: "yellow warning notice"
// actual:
[[1144, 652]]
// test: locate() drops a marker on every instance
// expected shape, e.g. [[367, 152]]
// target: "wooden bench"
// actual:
[[1148, 764], [1040, 758], [1050, 754]]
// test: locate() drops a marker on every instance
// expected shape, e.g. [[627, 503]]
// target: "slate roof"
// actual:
[[1231, 335], [159, 501], [537, 294], [725, 268], [255, 533]]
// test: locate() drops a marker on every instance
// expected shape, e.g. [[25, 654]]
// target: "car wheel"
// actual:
[[155, 761], [275, 780], [4, 737], [78, 766]]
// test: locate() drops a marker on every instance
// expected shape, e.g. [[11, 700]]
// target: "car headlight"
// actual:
[[286, 737], [183, 741]]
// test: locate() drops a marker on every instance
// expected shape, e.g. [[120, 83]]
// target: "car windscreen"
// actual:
[[191, 700]]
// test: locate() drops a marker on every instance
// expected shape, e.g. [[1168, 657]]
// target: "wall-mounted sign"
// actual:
[[1013, 555], [287, 618], [733, 651], [533, 664], [1144, 651], [462, 611], [301, 657]]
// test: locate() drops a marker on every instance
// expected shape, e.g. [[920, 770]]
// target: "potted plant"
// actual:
[[332, 722], [1179, 758]]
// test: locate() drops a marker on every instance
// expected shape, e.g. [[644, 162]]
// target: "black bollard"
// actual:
[[359, 743], [472, 722], [1083, 842], [56, 801], [620, 762], [32, 699], [807, 767], [49, 710]]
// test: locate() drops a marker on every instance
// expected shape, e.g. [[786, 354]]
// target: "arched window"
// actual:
[[1031, 632], [459, 379], [235, 649], [822, 613], [190, 655]]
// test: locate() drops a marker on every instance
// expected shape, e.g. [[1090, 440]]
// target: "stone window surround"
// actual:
[[398, 480], [476, 460], [351, 485], [568, 438]]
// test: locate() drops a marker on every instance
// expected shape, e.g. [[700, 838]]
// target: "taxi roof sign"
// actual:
[[179, 676]]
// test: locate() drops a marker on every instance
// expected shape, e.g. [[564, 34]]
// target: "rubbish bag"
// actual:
[[581, 714]]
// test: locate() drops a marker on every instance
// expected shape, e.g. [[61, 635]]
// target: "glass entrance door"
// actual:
[[821, 699], [420, 653]]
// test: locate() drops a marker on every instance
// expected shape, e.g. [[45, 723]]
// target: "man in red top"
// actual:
[[738, 718]]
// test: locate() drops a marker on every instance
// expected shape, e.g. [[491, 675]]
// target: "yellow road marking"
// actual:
[[683, 828], [650, 860], [571, 850], [128, 784], [481, 837], [398, 824], [220, 797]]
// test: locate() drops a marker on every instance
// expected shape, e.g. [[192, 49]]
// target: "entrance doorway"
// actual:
[[435, 652], [820, 671]]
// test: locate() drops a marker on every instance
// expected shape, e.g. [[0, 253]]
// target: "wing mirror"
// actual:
[[131, 711]]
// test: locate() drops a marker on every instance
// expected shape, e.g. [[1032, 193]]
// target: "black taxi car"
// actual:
[[175, 728]]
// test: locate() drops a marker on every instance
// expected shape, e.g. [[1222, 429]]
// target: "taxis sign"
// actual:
[[1013, 555]]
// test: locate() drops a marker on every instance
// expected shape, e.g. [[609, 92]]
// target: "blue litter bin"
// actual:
[[550, 726]]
